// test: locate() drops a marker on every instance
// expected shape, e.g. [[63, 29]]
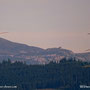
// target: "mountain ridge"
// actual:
[[35, 55]]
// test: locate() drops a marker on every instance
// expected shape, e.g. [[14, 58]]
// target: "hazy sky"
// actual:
[[47, 23]]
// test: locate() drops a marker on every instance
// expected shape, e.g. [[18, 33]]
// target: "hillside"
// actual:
[[36, 55]]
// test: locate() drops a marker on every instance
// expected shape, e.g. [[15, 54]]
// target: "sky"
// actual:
[[47, 23]]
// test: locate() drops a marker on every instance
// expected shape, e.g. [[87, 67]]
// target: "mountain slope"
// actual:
[[35, 55], [8, 47], [83, 56]]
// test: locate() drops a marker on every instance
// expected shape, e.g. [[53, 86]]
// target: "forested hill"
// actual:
[[66, 75]]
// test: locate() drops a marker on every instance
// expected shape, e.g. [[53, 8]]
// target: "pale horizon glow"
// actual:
[[47, 23]]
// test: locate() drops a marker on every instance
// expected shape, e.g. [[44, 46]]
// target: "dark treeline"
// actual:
[[66, 75]]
